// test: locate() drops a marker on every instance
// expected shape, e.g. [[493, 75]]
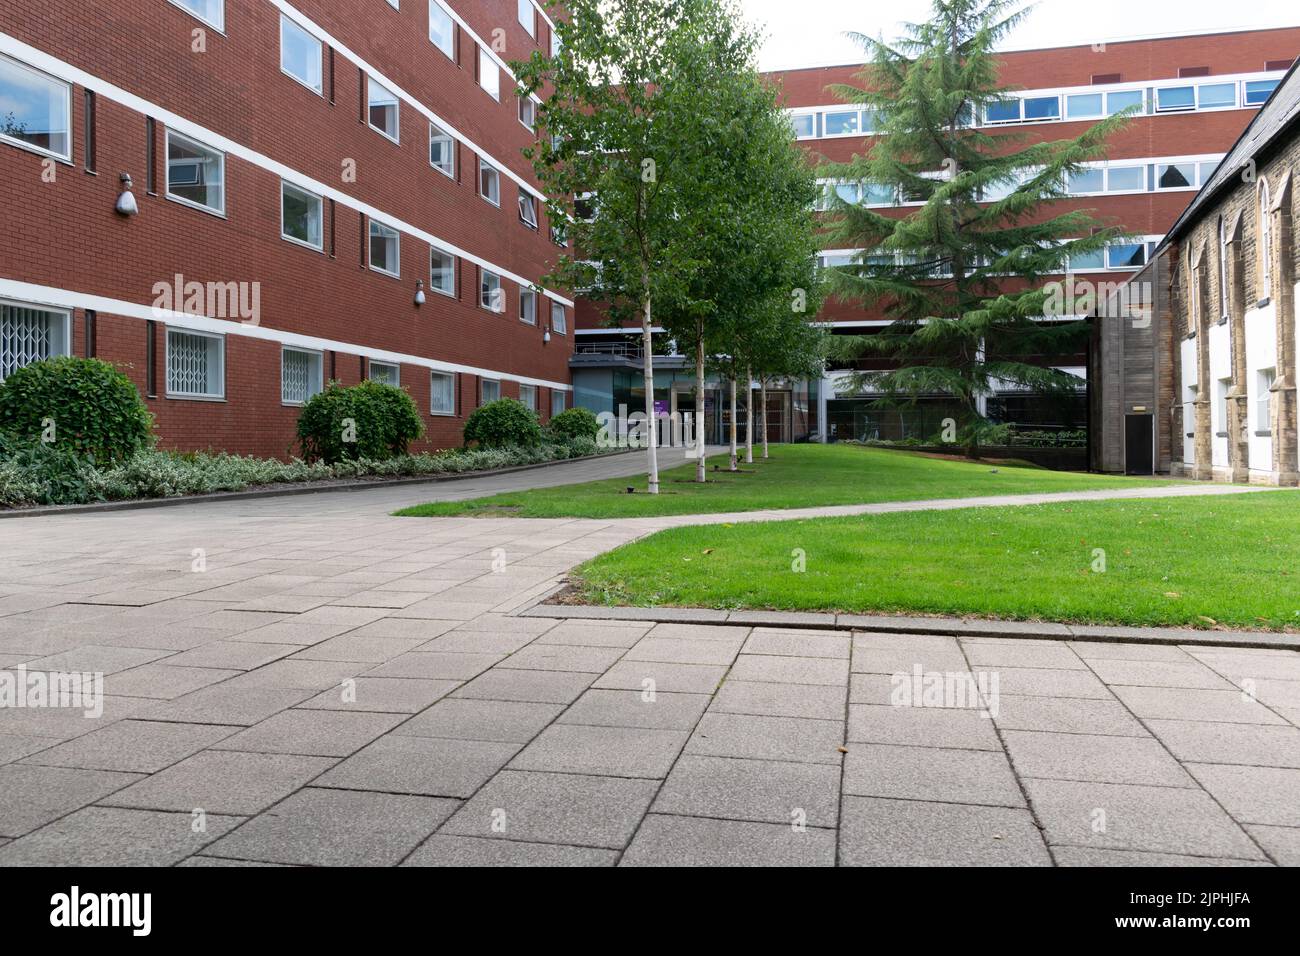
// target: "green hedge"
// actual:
[[368, 421], [503, 423], [82, 406], [34, 474], [574, 423]]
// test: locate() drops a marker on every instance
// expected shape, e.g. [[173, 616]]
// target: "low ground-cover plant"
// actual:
[[371, 421], [78, 405], [36, 474], [501, 424]]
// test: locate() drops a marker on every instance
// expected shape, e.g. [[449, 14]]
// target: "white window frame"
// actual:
[[442, 412], [315, 366], [483, 384], [397, 107], [526, 389], [489, 74], [435, 254], [395, 366], [167, 163], [370, 247], [530, 105], [286, 186], [489, 291], [219, 24], [559, 398], [531, 23], [527, 209], [67, 111], [483, 167], [436, 132], [436, 11], [320, 57], [562, 328], [221, 366], [527, 305], [64, 334]]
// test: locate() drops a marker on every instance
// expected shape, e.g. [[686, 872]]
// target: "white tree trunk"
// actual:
[[766, 453], [735, 465], [651, 422], [700, 464], [749, 417]]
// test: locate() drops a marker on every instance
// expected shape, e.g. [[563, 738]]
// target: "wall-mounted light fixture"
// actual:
[[419, 292], [546, 335], [126, 204]]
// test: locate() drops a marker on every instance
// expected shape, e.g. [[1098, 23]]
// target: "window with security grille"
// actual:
[[300, 375], [195, 365], [386, 373], [30, 335]]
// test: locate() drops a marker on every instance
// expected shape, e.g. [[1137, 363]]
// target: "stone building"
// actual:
[[1201, 381]]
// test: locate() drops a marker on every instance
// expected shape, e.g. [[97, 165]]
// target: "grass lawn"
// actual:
[[1186, 561], [796, 476]]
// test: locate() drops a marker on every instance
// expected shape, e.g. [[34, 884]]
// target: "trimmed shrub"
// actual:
[[574, 423], [503, 423], [95, 411], [371, 420]]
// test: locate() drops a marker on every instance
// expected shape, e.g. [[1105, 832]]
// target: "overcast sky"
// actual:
[[811, 32]]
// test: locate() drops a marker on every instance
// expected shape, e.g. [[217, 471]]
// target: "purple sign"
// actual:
[[661, 408]]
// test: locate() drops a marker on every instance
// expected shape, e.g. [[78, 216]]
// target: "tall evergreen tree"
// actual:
[[962, 276]]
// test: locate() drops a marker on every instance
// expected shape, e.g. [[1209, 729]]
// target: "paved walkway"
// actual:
[[309, 681]]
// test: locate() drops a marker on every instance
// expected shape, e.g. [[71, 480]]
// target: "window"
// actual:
[[1264, 254], [559, 401], [1007, 111], [1088, 261], [1224, 385], [489, 74], [1043, 108], [1084, 106], [559, 322], [442, 273], [527, 17], [1224, 249], [301, 216], [1216, 96], [489, 182], [1087, 181], [528, 113], [1176, 176], [212, 12], [528, 209], [384, 113], [300, 375], [385, 373], [1123, 100], [195, 364], [804, 124], [35, 110], [490, 294], [1258, 91], [1126, 255], [1207, 170], [442, 31], [196, 175], [30, 335], [489, 390], [843, 123], [385, 249], [442, 393], [300, 55], [1264, 404], [1175, 98], [442, 151], [528, 397], [527, 306], [1122, 179]]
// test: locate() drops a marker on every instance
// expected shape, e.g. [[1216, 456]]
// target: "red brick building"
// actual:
[[304, 171], [1196, 94]]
